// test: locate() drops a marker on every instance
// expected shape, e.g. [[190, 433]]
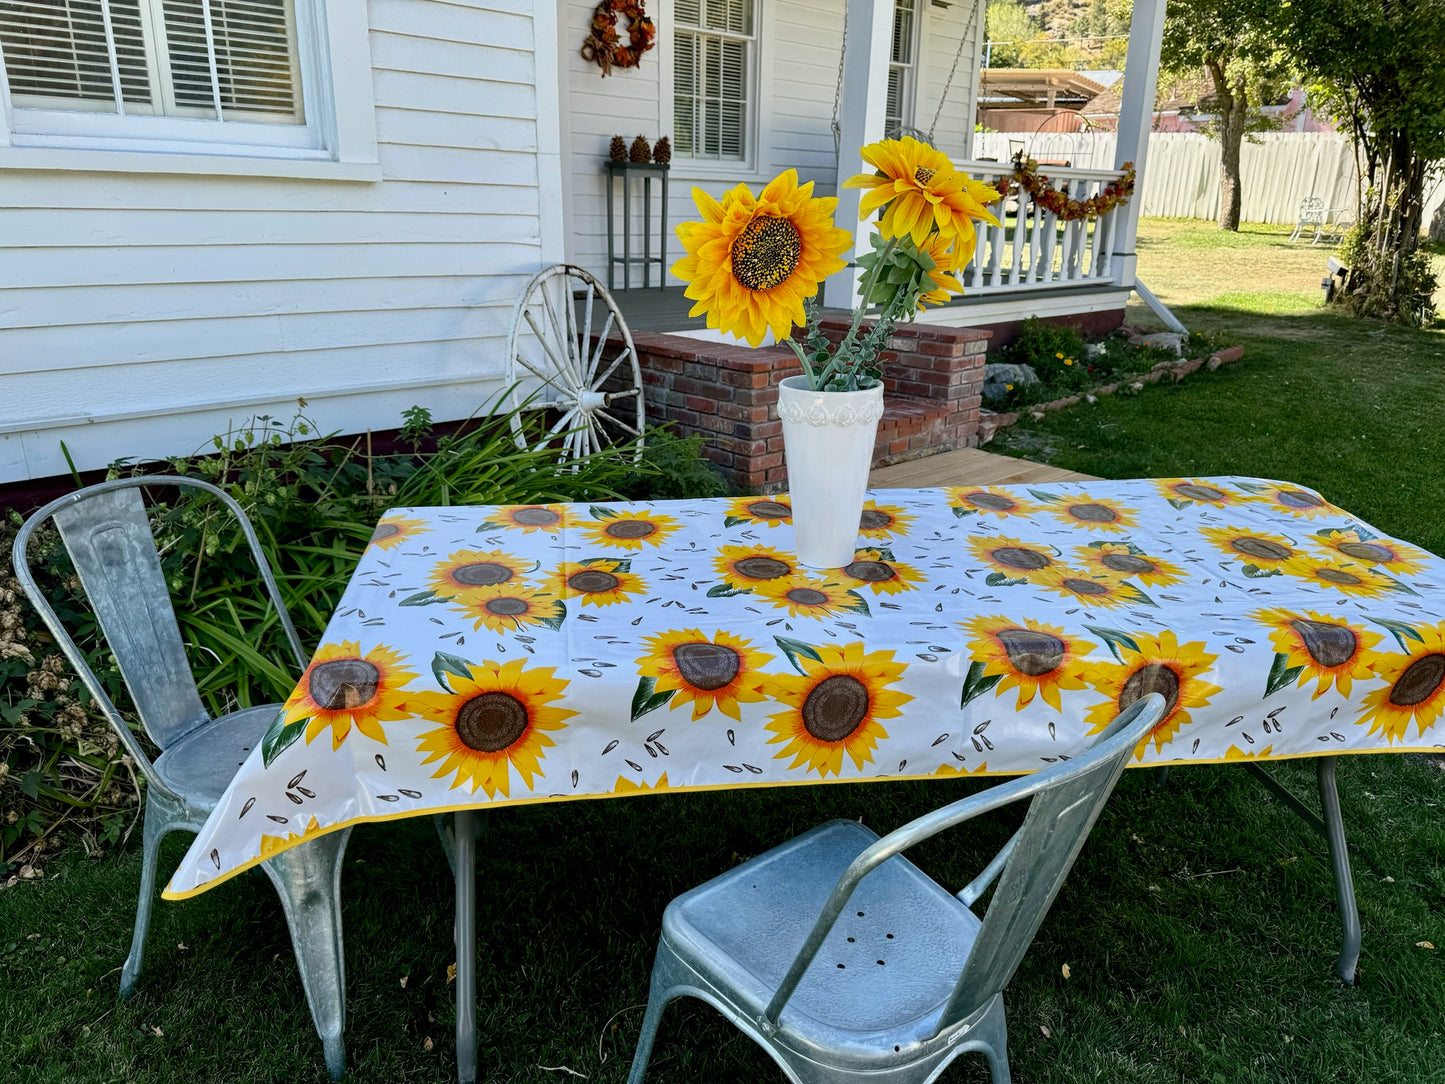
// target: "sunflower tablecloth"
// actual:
[[497, 655]]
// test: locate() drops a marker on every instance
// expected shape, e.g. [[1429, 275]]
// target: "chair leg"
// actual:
[[308, 880], [464, 873], [158, 822], [658, 996], [1340, 866]]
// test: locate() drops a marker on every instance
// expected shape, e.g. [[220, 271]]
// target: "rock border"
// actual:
[[990, 422]]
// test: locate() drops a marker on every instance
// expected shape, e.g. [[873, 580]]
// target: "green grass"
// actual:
[[1199, 925]]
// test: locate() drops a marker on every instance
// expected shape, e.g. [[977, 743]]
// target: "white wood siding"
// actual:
[[141, 313], [800, 42]]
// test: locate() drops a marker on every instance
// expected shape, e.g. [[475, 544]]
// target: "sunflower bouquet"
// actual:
[[753, 264]]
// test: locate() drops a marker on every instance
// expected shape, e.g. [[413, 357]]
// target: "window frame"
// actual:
[[908, 87], [337, 140], [752, 141]]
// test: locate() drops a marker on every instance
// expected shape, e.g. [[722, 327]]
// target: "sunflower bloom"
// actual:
[[1323, 647], [468, 571], [993, 500], [1163, 666], [1032, 657], [528, 518], [1252, 547], [1199, 491], [804, 596], [392, 531], [1344, 577], [631, 530], [1095, 513], [496, 720], [1301, 503], [834, 707], [922, 192], [1414, 688], [595, 583], [721, 672], [945, 262], [744, 567], [1016, 559], [1126, 562], [751, 263], [765, 510], [1383, 553], [508, 607], [882, 521], [342, 687], [869, 569], [1096, 592]]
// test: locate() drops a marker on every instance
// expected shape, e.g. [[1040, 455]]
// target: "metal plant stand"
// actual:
[[645, 171]]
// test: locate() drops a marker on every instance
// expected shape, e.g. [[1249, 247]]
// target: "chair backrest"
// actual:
[[1067, 799], [107, 533], [1043, 850]]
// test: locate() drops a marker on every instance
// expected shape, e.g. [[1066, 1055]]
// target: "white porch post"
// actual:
[[1136, 116], [861, 115]]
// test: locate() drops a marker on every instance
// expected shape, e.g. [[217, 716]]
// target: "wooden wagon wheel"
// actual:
[[558, 357]]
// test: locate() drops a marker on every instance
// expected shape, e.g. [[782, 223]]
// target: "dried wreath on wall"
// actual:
[[1026, 175], [603, 46]]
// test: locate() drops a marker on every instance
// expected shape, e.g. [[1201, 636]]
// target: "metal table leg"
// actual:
[[465, 854], [1340, 865]]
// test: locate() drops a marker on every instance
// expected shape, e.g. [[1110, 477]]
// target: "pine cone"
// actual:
[[641, 150], [662, 153], [618, 150]]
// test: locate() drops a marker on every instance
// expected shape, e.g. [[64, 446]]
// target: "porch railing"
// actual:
[[1032, 249]]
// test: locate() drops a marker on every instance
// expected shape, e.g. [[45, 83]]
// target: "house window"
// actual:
[[714, 43], [902, 67], [218, 77]]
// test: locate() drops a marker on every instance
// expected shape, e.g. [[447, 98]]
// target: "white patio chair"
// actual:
[[910, 977], [1311, 216], [107, 533]]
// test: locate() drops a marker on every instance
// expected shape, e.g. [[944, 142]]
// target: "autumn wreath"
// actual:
[[604, 46], [1026, 175]]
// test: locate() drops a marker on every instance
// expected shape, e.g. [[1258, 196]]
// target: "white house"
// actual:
[[212, 208]]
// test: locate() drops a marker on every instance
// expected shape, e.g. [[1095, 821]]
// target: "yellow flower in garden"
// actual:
[[1299, 502], [744, 567], [994, 500], [1383, 553], [945, 285], [921, 192], [721, 672], [769, 510], [1256, 548], [1414, 688], [342, 687], [392, 531], [533, 517], [1324, 647], [1120, 561], [467, 571], [883, 521], [1198, 491], [595, 583], [806, 596], [1096, 592], [869, 569], [1059, 356], [834, 707], [1032, 657], [751, 263], [1095, 513], [631, 530], [495, 720], [1348, 579], [1015, 559], [509, 606], [1161, 665]]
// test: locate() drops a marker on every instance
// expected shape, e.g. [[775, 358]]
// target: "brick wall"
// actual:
[[932, 381]]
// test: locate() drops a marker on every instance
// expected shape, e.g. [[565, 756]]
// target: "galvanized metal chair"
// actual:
[[107, 533], [845, 961]]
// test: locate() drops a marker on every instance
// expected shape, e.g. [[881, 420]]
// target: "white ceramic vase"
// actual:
[[828, 444]]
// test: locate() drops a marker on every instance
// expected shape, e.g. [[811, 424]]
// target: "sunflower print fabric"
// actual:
[[500, 655]]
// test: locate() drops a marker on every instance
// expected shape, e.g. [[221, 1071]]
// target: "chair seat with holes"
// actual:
[[200, 765]]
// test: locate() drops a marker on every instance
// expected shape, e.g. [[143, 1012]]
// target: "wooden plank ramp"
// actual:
[[969, 466]]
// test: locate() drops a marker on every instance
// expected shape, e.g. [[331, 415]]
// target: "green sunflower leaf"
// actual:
[[647, 698], [1281, 675], [279, 735], [1178, 504], [1114, 638], [1398, 585], [1254, 572], [443, 664], [489, 525], [859, 605], [975, 684], [1001, 579], [961, 512], [722, 590], [1140, 596], [1047, 498], [1252, 487], [884, 553], [794, 648], [423, 598], [735, 521], [599, 512], [558, 616], [1401, 631], [621, 565]]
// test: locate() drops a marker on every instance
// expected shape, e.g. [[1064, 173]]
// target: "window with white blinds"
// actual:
[[713, 57], [227, 60], [902, 66]]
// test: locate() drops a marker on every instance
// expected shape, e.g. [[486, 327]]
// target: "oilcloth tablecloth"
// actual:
[[498, 655]]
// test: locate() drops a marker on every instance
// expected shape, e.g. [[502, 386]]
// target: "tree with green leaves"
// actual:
[[1234, 41], [1379, 66], [1007, 26]]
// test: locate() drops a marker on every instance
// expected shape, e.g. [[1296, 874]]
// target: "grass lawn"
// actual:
[[1198, 926]]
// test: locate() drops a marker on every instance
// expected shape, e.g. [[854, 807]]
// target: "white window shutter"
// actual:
[[57, 56]]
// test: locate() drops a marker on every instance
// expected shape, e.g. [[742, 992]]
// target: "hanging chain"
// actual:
[[948, 83], [838, 90]]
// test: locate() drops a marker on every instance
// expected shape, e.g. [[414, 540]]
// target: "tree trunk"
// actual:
[[1232, 106]]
